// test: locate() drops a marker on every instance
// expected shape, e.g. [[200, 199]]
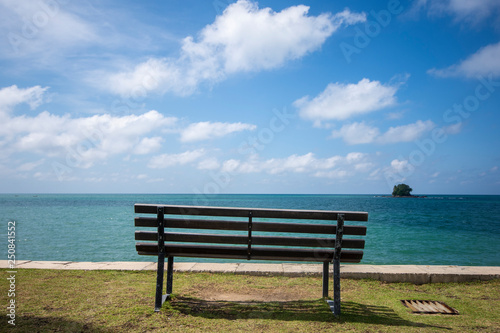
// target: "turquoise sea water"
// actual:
[[437, 230]]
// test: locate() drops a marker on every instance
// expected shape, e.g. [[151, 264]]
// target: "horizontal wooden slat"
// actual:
[[285, 227], [240, 252], [256, 212], [256, 240]]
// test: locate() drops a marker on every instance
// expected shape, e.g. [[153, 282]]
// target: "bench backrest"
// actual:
[[248, 233]]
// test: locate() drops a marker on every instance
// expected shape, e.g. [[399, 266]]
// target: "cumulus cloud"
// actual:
[[342, 101], [247, 38], [331, 167], [148, 145], [210, 163], [394, 173], [406, 133], [482, 63], [88, 139], [208, 130], [168, 160], [158, 75], [400, 166], [83, 140], [294, 163], [244, 38], [12, 96], [357, 133], [360, 133]]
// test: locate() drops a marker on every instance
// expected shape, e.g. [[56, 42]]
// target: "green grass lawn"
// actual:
[[123, 301]]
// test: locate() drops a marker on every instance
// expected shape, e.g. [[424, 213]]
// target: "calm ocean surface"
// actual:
[[437, 230]]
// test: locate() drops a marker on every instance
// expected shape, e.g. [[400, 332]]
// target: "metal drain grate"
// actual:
[[428, 307]]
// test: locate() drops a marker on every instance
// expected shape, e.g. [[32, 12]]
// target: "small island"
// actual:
[[403, 191]]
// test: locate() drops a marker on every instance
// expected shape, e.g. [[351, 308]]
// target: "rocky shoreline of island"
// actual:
[[403, 196]]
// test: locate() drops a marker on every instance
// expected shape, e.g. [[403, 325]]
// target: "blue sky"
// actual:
[[206, 97]]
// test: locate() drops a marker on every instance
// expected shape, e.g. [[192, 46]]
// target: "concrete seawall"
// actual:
[[416, 274]]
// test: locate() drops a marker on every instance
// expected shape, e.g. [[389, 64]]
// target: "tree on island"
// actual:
[[402, 190]]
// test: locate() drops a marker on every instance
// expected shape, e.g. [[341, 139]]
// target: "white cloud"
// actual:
[[478, 7], [335, 174], [357, 133], [355, 157], [484, 62], [168, 160], [342, 101], [364, 167], [153, 75], [148, 145], [30, 165], [396, 172], [208, 130], [400, 166], [454, 128], [231, 166], [44, 28], [395, 115], [12, 96], [85, 140], [406, 133], [80, 141], [209, 164], [247, 38], [82, 42], [462, 10], [244, 38], [294, 163], [330, 167], [360, 133]]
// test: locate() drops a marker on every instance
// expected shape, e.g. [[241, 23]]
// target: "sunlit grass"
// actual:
[[122, 301]]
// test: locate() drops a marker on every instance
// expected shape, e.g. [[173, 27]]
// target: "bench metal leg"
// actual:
[[159, 299], [335, 304], [170, 275], [159, 282], [326, 268], [336, 287]]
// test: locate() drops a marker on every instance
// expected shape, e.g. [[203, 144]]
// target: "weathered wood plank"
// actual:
[[285, 227], [257, 212], [240, 252], [243, 239]]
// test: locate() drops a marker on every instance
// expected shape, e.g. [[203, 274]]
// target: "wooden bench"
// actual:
[[249, 234]]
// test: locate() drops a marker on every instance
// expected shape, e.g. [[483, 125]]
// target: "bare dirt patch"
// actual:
[[247, 297], [248, 294], [247, 289]]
